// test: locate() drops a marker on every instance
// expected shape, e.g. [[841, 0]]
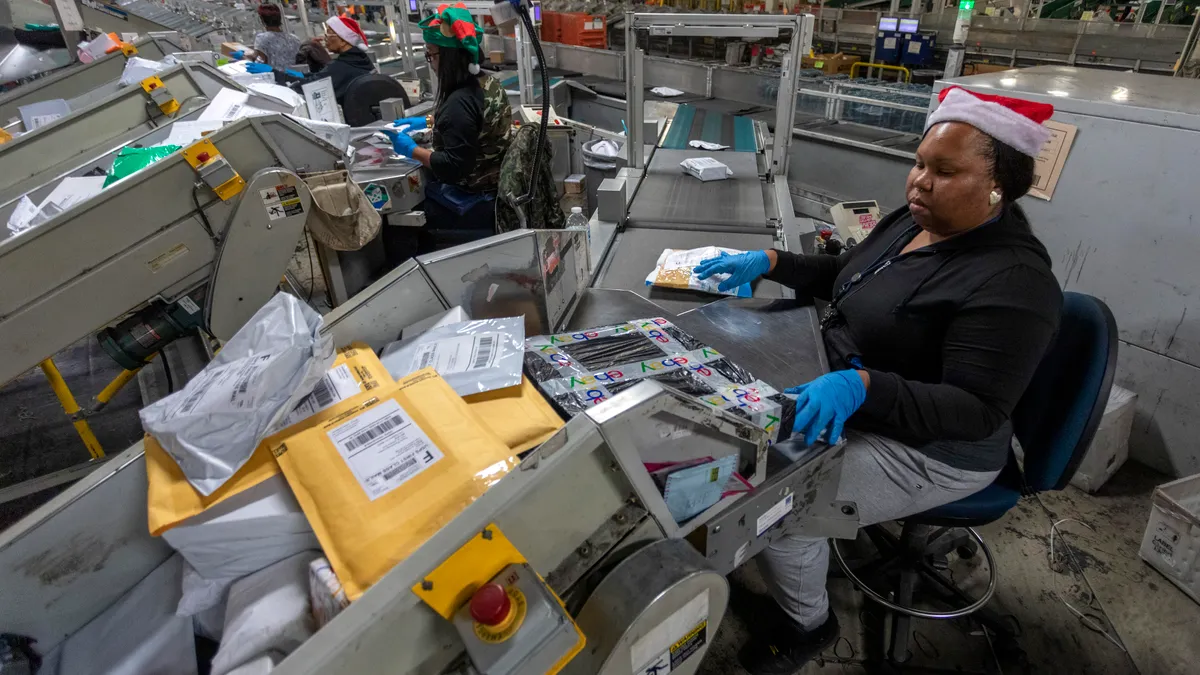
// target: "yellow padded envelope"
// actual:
[[173, 500], [388, 471], [518, 415]]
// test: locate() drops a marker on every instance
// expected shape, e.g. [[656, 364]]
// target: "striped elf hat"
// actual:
[[453, 27]]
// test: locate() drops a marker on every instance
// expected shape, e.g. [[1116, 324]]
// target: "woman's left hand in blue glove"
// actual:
[[256, 68], [402, 143], [414, 123], [237, 54], [826, 403]]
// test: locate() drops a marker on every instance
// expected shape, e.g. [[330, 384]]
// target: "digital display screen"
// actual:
[[412, 6], [888, 23], [909, 25], [537, 13], [859, 212]]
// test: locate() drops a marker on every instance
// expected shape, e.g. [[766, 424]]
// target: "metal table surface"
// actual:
[[669, 196], [635, 251], [777, 340]]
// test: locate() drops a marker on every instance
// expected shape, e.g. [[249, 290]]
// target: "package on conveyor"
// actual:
[[580, 369], [674, 269], [138, 633], [705, 168], [514, 410], [253, 520], [472, 356], [387, 471], [211, 426]]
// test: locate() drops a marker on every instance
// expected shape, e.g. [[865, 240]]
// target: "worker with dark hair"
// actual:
[[313, 55], [273, 46]]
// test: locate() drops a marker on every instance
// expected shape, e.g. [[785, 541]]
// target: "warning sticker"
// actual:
[[281, 201], [669, 644], [188, 305], [161, 261], [384, 448]]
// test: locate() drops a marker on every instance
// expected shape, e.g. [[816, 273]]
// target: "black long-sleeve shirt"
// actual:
[[950, 333]]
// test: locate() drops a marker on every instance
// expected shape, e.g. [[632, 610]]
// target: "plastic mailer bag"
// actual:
[[473, 356], [389, 470], [211, 426], [132, 160], [138, 69], [674, 270], [705, 168], [344, 220], [581, 369]]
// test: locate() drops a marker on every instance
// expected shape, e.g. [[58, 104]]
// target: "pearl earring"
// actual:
[[994, 198]]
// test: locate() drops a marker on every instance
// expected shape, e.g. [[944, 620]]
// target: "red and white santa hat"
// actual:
[[347, 29], [1014, 121]]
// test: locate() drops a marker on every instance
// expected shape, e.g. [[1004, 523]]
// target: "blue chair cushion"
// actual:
[[985, 506]]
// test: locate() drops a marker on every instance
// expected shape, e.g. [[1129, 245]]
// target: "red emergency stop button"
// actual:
[[491, 605], [202, 157]]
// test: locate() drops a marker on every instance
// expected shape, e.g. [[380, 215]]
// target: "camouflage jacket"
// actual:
[[492, 115], [542, 211]]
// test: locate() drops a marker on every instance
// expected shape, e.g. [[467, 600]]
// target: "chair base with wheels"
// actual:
[[1054, 422]]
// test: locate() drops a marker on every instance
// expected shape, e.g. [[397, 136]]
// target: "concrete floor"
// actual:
[[1151, 622]]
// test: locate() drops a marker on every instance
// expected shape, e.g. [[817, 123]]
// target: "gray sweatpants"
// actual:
[[888, 480]]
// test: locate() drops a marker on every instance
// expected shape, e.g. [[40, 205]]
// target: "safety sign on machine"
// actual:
[[670, 643], [281, 201]]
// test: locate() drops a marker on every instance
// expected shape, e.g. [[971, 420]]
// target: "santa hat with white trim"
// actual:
[[347, 29], [1013, 121]]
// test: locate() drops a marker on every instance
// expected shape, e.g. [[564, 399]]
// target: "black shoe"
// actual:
[[788, 649]]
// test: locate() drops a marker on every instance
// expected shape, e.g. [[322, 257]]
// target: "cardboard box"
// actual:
[[830, 64], [1110, 445], [1172, 541], [228, 48], [574, 184], [496, 56], [981, 68]]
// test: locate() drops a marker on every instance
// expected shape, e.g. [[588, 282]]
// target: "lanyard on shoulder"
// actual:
[[881, 262]]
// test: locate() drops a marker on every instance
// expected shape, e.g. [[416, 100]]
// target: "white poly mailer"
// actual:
[[211, 426], [472, 356]]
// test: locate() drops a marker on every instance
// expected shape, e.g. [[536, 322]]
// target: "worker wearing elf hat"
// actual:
[[471, 131], [936, 323], [346, 41]]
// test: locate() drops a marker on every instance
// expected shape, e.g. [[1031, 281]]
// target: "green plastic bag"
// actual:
[[132, 160]]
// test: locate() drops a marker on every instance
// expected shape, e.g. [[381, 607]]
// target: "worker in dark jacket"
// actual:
[[936, 323], [346, 41], [471, 132]]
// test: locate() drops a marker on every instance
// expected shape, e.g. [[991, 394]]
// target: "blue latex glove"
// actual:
[[294, 73], [741, 268], [239, 54], [402, 143], [257, 68], [414, 123], [826, 403]]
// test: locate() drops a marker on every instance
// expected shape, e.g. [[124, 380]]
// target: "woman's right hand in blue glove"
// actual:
[[741, 268], [414, 123], [402, 143]]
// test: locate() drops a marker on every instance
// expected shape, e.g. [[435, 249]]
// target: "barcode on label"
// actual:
[[323, 392], [484, 350], [427, 359], [404, 466], [371, 433]]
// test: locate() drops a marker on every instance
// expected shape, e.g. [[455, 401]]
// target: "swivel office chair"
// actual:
[[360, 105], [1054, 421]]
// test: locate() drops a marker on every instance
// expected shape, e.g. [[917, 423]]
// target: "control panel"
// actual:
[[854, 220]]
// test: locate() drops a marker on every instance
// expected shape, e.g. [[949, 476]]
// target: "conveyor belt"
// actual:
[[696, 123], [668, 196], [636, 250]]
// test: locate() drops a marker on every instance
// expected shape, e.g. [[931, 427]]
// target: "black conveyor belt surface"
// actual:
[[669, 196]]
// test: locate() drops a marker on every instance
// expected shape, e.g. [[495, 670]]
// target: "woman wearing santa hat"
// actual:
[[935, 325], [348, 45], [471, 126]]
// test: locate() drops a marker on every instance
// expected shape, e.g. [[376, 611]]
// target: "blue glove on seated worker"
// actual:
[[414, 123], [256, 68], [826, 403], [402, 143], [294, 73], [239, 54], [741, 268]]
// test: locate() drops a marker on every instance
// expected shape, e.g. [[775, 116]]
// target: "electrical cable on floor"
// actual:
[[1089, 621], [992, 648]]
